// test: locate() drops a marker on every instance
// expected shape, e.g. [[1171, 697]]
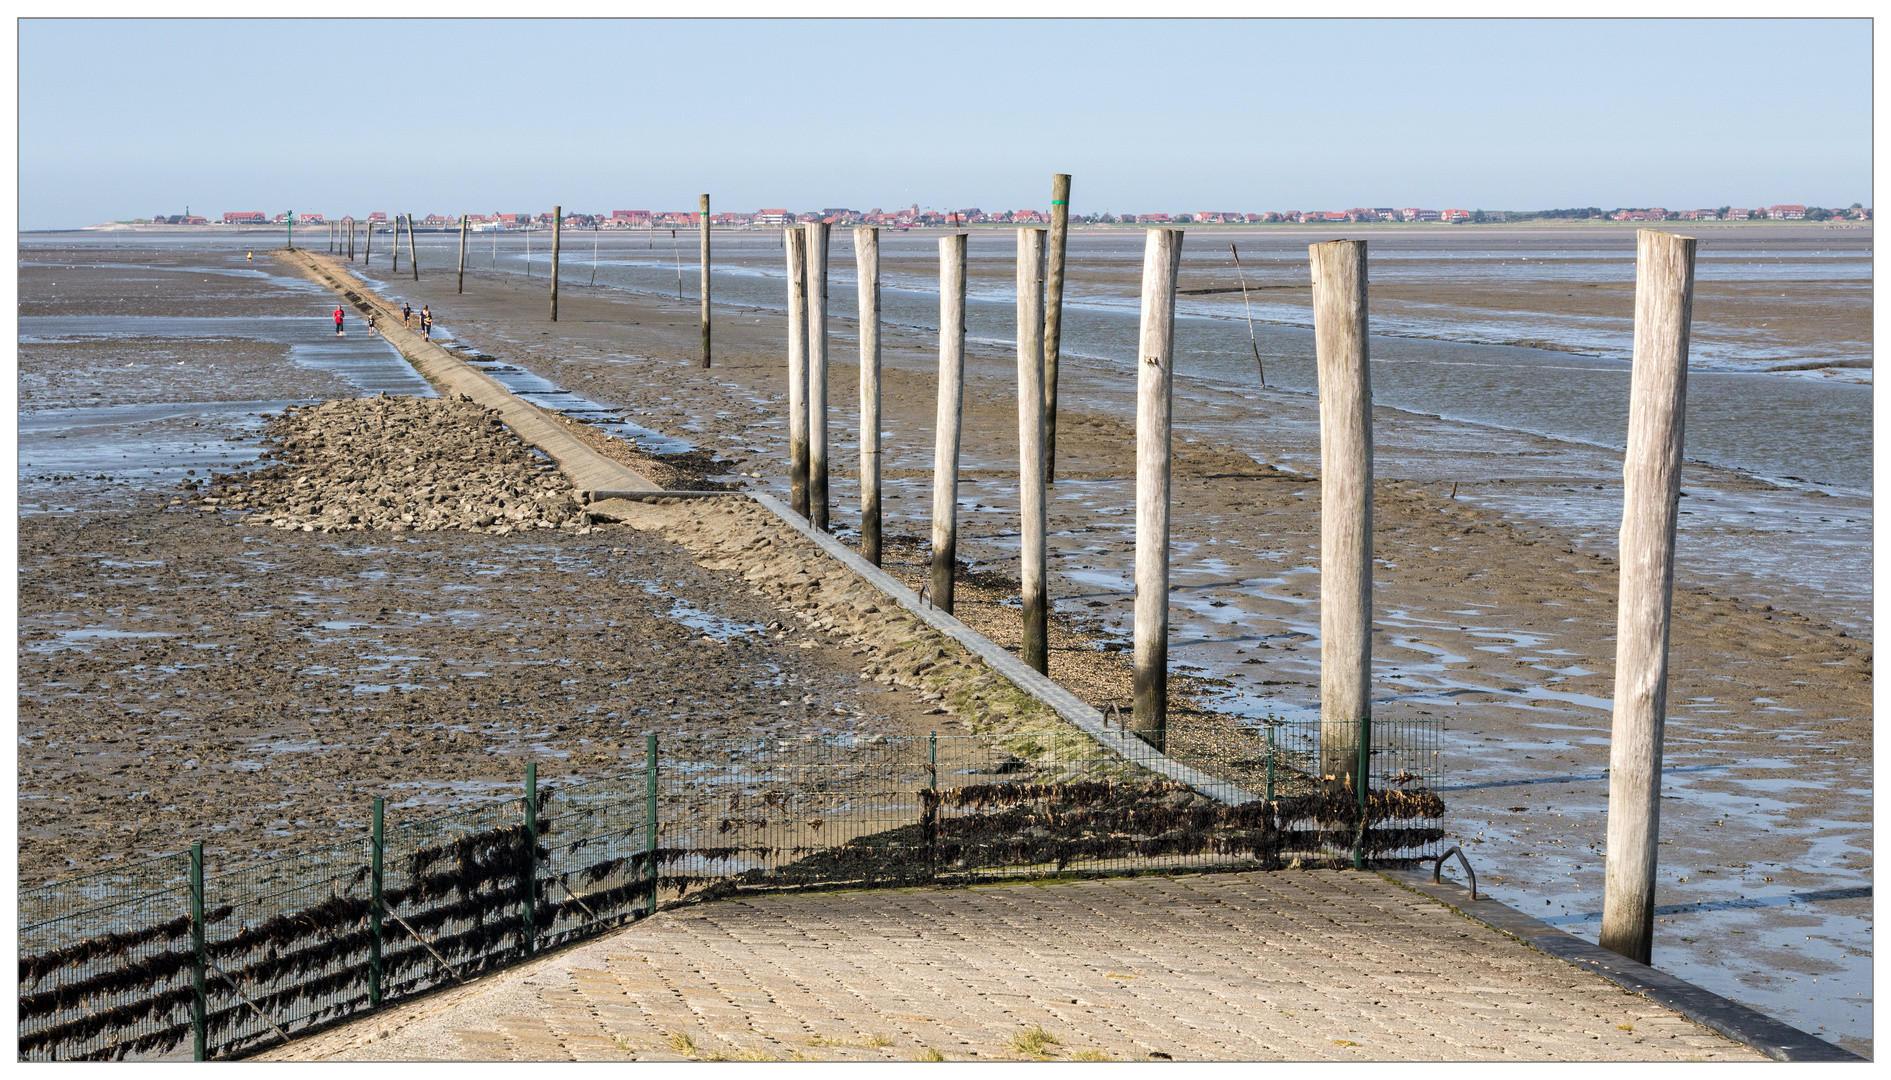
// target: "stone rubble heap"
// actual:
[[396, 464]]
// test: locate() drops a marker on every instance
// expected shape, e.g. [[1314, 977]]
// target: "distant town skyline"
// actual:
[[1236, 114]]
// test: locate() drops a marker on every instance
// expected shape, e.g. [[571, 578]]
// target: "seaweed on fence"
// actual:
[[478, 859], [35, 968], [145, 971], [117, 1018]]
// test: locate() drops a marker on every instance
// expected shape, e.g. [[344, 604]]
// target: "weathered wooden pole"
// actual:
[[817, 373], [705, 278], [945, 447], [1031, 496], [1054, 316], [412, 259], [558, 230], [462, 287], [367, 252], [796, 246], [395, 266], [867, 271], [1161, 259], [1651, 494], [1339, 345], [351, 239]]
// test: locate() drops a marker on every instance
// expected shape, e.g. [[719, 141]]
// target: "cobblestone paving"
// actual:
[[1327, 965]]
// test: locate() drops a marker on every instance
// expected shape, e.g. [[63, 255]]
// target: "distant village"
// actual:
[[913, 216]]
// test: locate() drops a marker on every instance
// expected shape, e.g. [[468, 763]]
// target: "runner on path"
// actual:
[[337, 320]]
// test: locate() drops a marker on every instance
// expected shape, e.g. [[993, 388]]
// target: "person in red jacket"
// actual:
[[337, 320]]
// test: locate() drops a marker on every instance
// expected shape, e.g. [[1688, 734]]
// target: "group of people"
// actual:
[[407, 318]]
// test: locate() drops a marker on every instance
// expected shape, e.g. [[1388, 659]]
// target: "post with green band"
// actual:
[[1054, 316], [650, 818], [528, 937], [199, 1007], [375, 888]]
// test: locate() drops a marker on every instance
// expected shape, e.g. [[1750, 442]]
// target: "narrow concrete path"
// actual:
[[587, 469], [1290, 965]]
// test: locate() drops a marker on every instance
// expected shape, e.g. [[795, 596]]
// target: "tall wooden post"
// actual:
[[867, 271], [796, 245], [1339, 345], [1032, 507], [395, 266], [705, 278], [1651, 494], [1054, 315], [558, 230], [412, 259], [817, 373], [1161, 260], [463, 226], [945, 447]]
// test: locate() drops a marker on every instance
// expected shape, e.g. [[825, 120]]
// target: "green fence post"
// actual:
[[932, 805], [376, 850], [1365, 760], [199, 1012], [650, 817], [529, 938], [1270, 763]]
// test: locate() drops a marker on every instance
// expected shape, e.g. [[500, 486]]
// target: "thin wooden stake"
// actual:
[[412, 259], [463, 227], [796, 246], [945, 450], [817, 373], [395, 266], [1651, 494], [1032, 507], [1054, 316], [705, 278], [867, 271], [558, 220], [1340, 349], [1252, 343], [1161, 261]]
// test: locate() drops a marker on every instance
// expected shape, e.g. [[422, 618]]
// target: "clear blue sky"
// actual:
[[124, 119]]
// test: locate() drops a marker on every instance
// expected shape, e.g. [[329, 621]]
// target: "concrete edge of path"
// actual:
[[1065, 704], [584, 467], [1776, 1039]]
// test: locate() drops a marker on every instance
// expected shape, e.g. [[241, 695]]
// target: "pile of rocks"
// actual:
[[397, 464]]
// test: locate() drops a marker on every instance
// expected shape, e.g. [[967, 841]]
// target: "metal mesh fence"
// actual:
[[109, 961]]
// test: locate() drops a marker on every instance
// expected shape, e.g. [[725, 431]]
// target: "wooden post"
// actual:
[[412, 259], [705, 278], [1651, 493], [1031, 499], [395, 266], [558, 221], [796, 246], [462, 287], [817, 373], [1161, 260], [945, 449], [1339, 345], [367, 253], [867, 270], [1054, 315]]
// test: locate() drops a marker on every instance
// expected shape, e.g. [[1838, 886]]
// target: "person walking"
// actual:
[[370, 324], [407, 313], [338, 316], [426, 323]]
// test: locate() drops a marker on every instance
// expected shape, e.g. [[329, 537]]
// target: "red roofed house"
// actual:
[[1455, 216], [1786, 213]]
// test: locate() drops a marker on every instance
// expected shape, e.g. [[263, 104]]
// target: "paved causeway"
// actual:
[[1300, 965]]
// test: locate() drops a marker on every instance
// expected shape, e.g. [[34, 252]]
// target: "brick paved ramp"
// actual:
[[1293, 965]]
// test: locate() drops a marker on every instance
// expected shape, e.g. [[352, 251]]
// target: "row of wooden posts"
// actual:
[[341, 239], [1651, 473]]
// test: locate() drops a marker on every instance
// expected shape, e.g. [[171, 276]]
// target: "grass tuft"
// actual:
[[1034, 1042]]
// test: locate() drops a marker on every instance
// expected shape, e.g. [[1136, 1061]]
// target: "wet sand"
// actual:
[[1497, 624]]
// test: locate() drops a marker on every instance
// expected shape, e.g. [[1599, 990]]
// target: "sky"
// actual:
[[442, 116]]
